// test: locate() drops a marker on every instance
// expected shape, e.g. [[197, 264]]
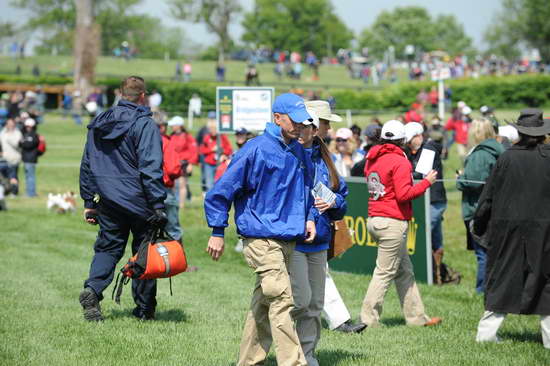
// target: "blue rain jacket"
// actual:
[[269, 183], [322, 221], [122, 161]]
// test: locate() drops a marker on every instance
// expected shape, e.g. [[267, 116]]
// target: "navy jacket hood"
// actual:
[[121, 166], [116, 121]]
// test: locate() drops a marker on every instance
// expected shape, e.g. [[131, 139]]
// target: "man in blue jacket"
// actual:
[[121, 185], [269, 181]]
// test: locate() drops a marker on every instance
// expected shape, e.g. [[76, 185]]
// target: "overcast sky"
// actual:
[[357, 14]]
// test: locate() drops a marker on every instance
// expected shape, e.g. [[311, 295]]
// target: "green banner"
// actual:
[[361, 257], [243, 107]]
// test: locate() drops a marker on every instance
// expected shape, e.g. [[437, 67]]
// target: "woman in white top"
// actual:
[[345, 152], [10, 138]]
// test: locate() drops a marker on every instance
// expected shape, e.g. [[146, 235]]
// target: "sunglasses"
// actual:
[[341, 140]]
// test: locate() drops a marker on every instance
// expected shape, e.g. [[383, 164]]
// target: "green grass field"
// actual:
[[330, 75], [46, 256]]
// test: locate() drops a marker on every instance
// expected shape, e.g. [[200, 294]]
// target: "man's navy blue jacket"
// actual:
[[269, 182], [122, 161]]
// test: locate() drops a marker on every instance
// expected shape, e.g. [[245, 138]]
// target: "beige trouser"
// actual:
[[392, 264], [490, 323], [307, 275], [269, 317], [462, 150]]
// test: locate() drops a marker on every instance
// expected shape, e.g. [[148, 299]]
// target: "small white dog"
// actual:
[[62, 203]]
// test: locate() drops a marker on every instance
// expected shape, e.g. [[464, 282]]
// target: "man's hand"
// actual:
[[189, 169], [310, 232], [322, 206], [158, 220], [90, 216], [215, 247]]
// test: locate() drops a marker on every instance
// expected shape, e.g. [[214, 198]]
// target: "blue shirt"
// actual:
[[269, 183]]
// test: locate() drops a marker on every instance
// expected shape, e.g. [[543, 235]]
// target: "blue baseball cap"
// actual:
[[293, 106], [212, 115]]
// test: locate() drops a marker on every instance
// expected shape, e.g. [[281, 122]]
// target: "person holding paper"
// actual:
[[335, 310], [416, 149], [391, 191], [308, 262]]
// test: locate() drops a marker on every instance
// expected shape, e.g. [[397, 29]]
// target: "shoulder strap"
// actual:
[[119, 285]]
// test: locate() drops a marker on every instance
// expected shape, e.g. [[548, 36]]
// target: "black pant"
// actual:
[[114, 229]]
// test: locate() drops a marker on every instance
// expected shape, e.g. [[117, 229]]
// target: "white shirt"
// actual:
[[155, 100], [195, 105], [10, 145]]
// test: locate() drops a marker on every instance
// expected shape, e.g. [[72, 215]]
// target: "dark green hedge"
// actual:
[[499, 92]]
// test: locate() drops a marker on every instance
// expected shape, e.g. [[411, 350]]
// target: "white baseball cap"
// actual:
[[91, 107], [314, 118], [344, 133], [509, 132], [176, 121], [393, 130], [466, 110], [412, 129], [29, 122]]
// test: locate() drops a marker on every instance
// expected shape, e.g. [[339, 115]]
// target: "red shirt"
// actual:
[[413, 116], [433, 97], [220, 170], [391, 189], [171, 164], [460, 128], [186, 147], [209, 145]]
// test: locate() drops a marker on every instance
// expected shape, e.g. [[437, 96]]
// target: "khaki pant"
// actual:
[[462, 150], [307, 275], [392, 264], [269, 317], [490, 323]]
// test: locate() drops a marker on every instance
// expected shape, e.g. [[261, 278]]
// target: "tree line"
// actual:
[[294, 25]]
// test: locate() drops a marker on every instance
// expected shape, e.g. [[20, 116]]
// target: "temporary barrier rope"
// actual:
[[460, 180]]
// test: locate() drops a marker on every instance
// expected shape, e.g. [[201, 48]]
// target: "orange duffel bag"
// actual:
[[157, 257]]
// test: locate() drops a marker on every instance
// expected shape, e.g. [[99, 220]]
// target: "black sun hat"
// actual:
[[531, 123]]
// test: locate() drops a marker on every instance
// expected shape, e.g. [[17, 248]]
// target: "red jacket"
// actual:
[[186, 147], [220, 170], [413, 116], [208, 148], [391, 189], [433, 97], [171, 163], [460, 128]]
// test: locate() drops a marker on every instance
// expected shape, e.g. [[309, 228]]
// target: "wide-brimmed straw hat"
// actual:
[[531, 123], [322, 109]]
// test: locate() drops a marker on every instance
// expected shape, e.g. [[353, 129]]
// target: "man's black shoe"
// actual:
[[348, 327], [143, 315], [90, 304]]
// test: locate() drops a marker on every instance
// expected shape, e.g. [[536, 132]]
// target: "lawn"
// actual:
[[46, 256], [331, 76]]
